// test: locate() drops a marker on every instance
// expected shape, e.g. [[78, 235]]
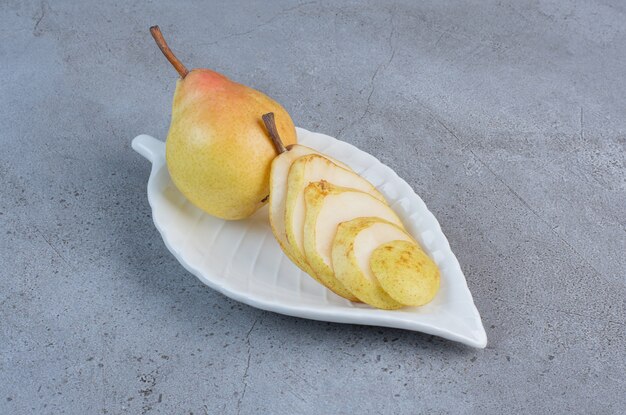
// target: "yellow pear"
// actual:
[[218, 152]]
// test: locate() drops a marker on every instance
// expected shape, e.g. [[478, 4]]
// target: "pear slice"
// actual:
[[278, 197], [405, 272], [352, 249], [327, 206], [308, 169]]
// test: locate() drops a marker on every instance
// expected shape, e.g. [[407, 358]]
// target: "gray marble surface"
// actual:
[[508, 118]]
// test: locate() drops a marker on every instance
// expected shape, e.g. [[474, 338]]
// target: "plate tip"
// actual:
[[481, 344], [480, 341], [148, 146]]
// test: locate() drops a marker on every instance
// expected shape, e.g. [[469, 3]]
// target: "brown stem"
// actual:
[[160, 41], [270, 124]]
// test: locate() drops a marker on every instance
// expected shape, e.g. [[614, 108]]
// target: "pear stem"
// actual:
[[162, 44], [270, 124]]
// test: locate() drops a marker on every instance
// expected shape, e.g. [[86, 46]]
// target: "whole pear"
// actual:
[[218, 152]]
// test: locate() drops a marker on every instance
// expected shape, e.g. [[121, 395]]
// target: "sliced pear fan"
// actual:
[[352, 249], [305, 170], [278, 197], [337, 227], [327, 206]]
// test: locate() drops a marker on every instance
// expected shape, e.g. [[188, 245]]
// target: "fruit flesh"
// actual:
[[218, 152], [341, 207], [306, 170], [405, 272], [278, 199], [278, 188], [353, 246], [326, 207]]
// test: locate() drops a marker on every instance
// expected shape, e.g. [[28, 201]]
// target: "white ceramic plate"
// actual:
[[242, 260]]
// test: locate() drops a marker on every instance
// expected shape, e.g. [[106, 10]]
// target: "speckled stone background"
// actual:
[[507, 117]]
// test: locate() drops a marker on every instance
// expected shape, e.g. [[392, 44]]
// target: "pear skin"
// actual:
[[405, 272], [218, 153]]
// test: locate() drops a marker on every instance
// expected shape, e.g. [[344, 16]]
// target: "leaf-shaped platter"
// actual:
[[242, 260]]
